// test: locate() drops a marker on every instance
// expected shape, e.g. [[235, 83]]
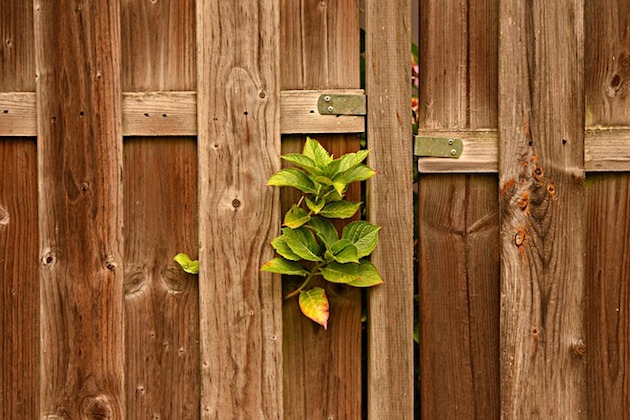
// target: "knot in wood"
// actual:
[[4, 216], [579, 348]]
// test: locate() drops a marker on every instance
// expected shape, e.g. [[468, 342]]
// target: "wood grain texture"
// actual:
[[80, 204], [161, 301], [162, 361], [608, 303], [18, 114], [541, 173], [19, 323], [17, 42], [458, 223], [390, 307], [608, 208], [239, 143], [480, 154], [322, 369]]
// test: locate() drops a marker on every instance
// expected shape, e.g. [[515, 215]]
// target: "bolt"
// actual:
[[453, 152], [450, 142], [327, 98], [330, 109]]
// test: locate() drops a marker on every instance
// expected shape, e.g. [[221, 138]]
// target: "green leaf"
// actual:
[[341, 273], [282, 248], [303, 162], [280, 265], [347, 162], [302, 242], [316, 152], [314, 305], [292, 177], [325, 230], [323, 180], [360, 173], [296, 217], [340, 209], [344, 251], [332, 195], [188, 265], [363, 235], [368, 276], [316, 206]]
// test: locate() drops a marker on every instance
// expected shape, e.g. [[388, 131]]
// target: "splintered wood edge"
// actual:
[[175, 114], [606, 150]]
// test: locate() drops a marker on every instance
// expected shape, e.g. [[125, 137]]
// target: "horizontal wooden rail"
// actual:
[[606, 150], [175, 114]]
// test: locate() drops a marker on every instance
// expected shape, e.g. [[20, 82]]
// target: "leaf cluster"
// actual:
[[310, 245]]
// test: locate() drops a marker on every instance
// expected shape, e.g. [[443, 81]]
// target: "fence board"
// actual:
[[19, 325], [541, 170], [458, 217], [608, 207], [161, 302], [390, 318], [322, 369], [80, 198], [239, 143], [17, 56]]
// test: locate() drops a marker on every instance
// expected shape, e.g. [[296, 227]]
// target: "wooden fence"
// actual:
[[136, 129]]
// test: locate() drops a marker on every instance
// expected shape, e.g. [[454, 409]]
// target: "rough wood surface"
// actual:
[[160, 184], [608, 209], [239, 143], [81, 214], [390, 387], [322, 369], [18, 114], [541, 173], [481, 152], [19, 324], [458, 217], [17, 42]]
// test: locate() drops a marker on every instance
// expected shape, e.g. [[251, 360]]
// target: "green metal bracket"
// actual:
[[342, 104], [438, 147]]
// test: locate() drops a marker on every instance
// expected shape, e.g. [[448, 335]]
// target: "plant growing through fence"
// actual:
[[310, 245]]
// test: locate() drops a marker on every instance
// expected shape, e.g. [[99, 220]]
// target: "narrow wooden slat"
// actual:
[[17, 55], [458, 214], [299, 114], [541, 172], [159, 113], [18, 116], [239, 143], [390, 317], [607, 150], [321, 46], [608, 206], [481, 153], [19, 324], [80, 204]]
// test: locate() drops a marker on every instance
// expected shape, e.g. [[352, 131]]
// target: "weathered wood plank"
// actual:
[[239, 143], [80, 204], [320, 44], [608, 208], [19, 324], [160, 183], [541, 173], [390, 316], [458, 222], [17, 54]]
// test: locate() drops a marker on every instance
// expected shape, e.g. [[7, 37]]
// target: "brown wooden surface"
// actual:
[[458, 217], [17, 56], [390, 365], [160, 184], [541, 174], [322, 368], [238, 93], [81, 214], [19, 324], [608, 212]]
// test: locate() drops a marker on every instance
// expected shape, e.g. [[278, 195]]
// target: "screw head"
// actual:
[[450, 142], [327, 98], [330, 109], [453, 152]]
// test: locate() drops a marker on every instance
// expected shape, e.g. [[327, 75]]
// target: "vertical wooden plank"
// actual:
[[321, 45], [541, 173], [458, 217], [19, 288], [238, 95], [390, 308], [608, 206], [19, 379], [80, 203], [162, 378]]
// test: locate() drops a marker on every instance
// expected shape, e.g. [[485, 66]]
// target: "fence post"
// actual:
[[541, 171], [390, 205], [238, 96], [80, 209]]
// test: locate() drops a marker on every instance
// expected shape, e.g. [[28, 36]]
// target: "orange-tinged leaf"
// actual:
[[314, 305]]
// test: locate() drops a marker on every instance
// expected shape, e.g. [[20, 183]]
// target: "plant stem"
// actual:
[[308, 279]]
